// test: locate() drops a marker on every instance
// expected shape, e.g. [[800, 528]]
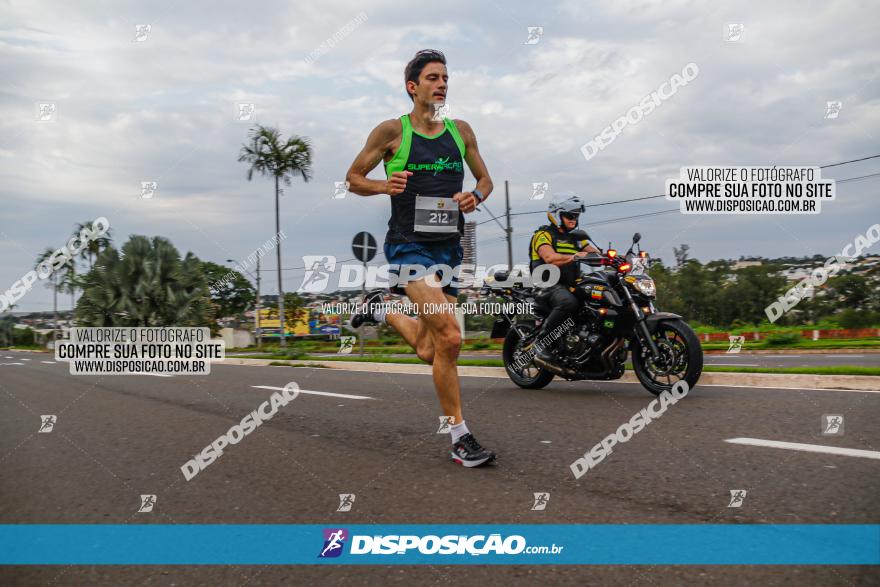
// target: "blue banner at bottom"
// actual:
[[408, 544]]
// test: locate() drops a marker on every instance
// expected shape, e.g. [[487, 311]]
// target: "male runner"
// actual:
[[423, 156]]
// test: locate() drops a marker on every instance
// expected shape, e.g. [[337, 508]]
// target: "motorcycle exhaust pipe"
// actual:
[[612, 348], [555, 369]]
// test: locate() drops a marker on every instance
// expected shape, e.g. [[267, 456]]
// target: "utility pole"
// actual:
[[509, 230], [363, 293], [257, 315], [257, 306]]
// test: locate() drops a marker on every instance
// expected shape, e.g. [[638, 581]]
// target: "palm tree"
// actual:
[[45, 256], [69, 283], [94, 246], [268, 154], [148, 284], [105, 298]]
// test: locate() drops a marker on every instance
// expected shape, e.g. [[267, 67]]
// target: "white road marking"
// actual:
[[48, 362], [734, 364], [831, 450], [767, 387], [25, 359], [784, 356], [310, 392], [157, 374], [11, 363], [847, 356]]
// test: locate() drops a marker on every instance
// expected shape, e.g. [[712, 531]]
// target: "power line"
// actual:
[[857, 178], [663, 195], [585, 206], [596, 223], [304, 267], [609, 221], [850, 161]]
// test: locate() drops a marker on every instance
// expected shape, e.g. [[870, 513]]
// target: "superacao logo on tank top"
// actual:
[[442, 164]]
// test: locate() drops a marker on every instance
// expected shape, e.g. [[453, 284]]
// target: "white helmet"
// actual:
[[567, 202]]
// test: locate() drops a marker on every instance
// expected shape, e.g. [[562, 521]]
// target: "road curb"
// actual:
[[845, 351], [765, 380]]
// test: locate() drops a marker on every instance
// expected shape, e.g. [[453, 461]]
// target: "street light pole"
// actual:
[[278, 258], [508, 230]]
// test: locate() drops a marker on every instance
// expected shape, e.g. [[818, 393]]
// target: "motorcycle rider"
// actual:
[[554, 244]]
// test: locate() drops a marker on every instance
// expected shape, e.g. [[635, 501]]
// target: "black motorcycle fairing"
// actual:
[[500, 328]]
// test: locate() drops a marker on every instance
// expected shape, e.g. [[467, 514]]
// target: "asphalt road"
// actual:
[[119, 437], [781, 359]]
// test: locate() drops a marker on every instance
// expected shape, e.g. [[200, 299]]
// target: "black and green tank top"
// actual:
[[425, 211]]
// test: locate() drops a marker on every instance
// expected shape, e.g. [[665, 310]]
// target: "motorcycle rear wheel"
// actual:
[[530, 376]]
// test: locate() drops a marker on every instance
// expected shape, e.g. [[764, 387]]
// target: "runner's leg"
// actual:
[[442, 328], [416, 332]]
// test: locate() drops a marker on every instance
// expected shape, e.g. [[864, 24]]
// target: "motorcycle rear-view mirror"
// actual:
[[636, 238]]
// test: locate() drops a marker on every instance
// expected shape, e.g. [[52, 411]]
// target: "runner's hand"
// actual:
[[467, 201], [397, 183]]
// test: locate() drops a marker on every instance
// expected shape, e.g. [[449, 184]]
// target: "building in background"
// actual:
[[469, 246]]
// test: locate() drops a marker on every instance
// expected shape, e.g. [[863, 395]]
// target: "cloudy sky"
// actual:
[[164, 109]]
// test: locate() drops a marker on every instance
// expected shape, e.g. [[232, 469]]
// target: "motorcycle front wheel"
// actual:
[[681, 358]]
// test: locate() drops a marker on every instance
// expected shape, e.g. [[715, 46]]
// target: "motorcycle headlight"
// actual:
[[645, 287]]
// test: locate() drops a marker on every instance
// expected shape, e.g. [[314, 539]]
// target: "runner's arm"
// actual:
[[474, 159], [371, 155]]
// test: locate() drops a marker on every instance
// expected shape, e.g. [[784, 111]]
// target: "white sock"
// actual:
[[379, 315], [458, 430]]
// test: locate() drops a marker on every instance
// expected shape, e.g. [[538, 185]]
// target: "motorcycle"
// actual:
[[617, 318]]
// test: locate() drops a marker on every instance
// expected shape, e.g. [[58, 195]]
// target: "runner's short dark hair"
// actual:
[[417, 64]]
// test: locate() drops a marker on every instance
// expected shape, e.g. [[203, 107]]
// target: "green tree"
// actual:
[[231, 293], [696, 288], [7, 330], [852, 291], [850, 318], [147, 284], [294, 304], [269, 155], [668, 295], [681, 255], [746, 298], [10, 336]]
